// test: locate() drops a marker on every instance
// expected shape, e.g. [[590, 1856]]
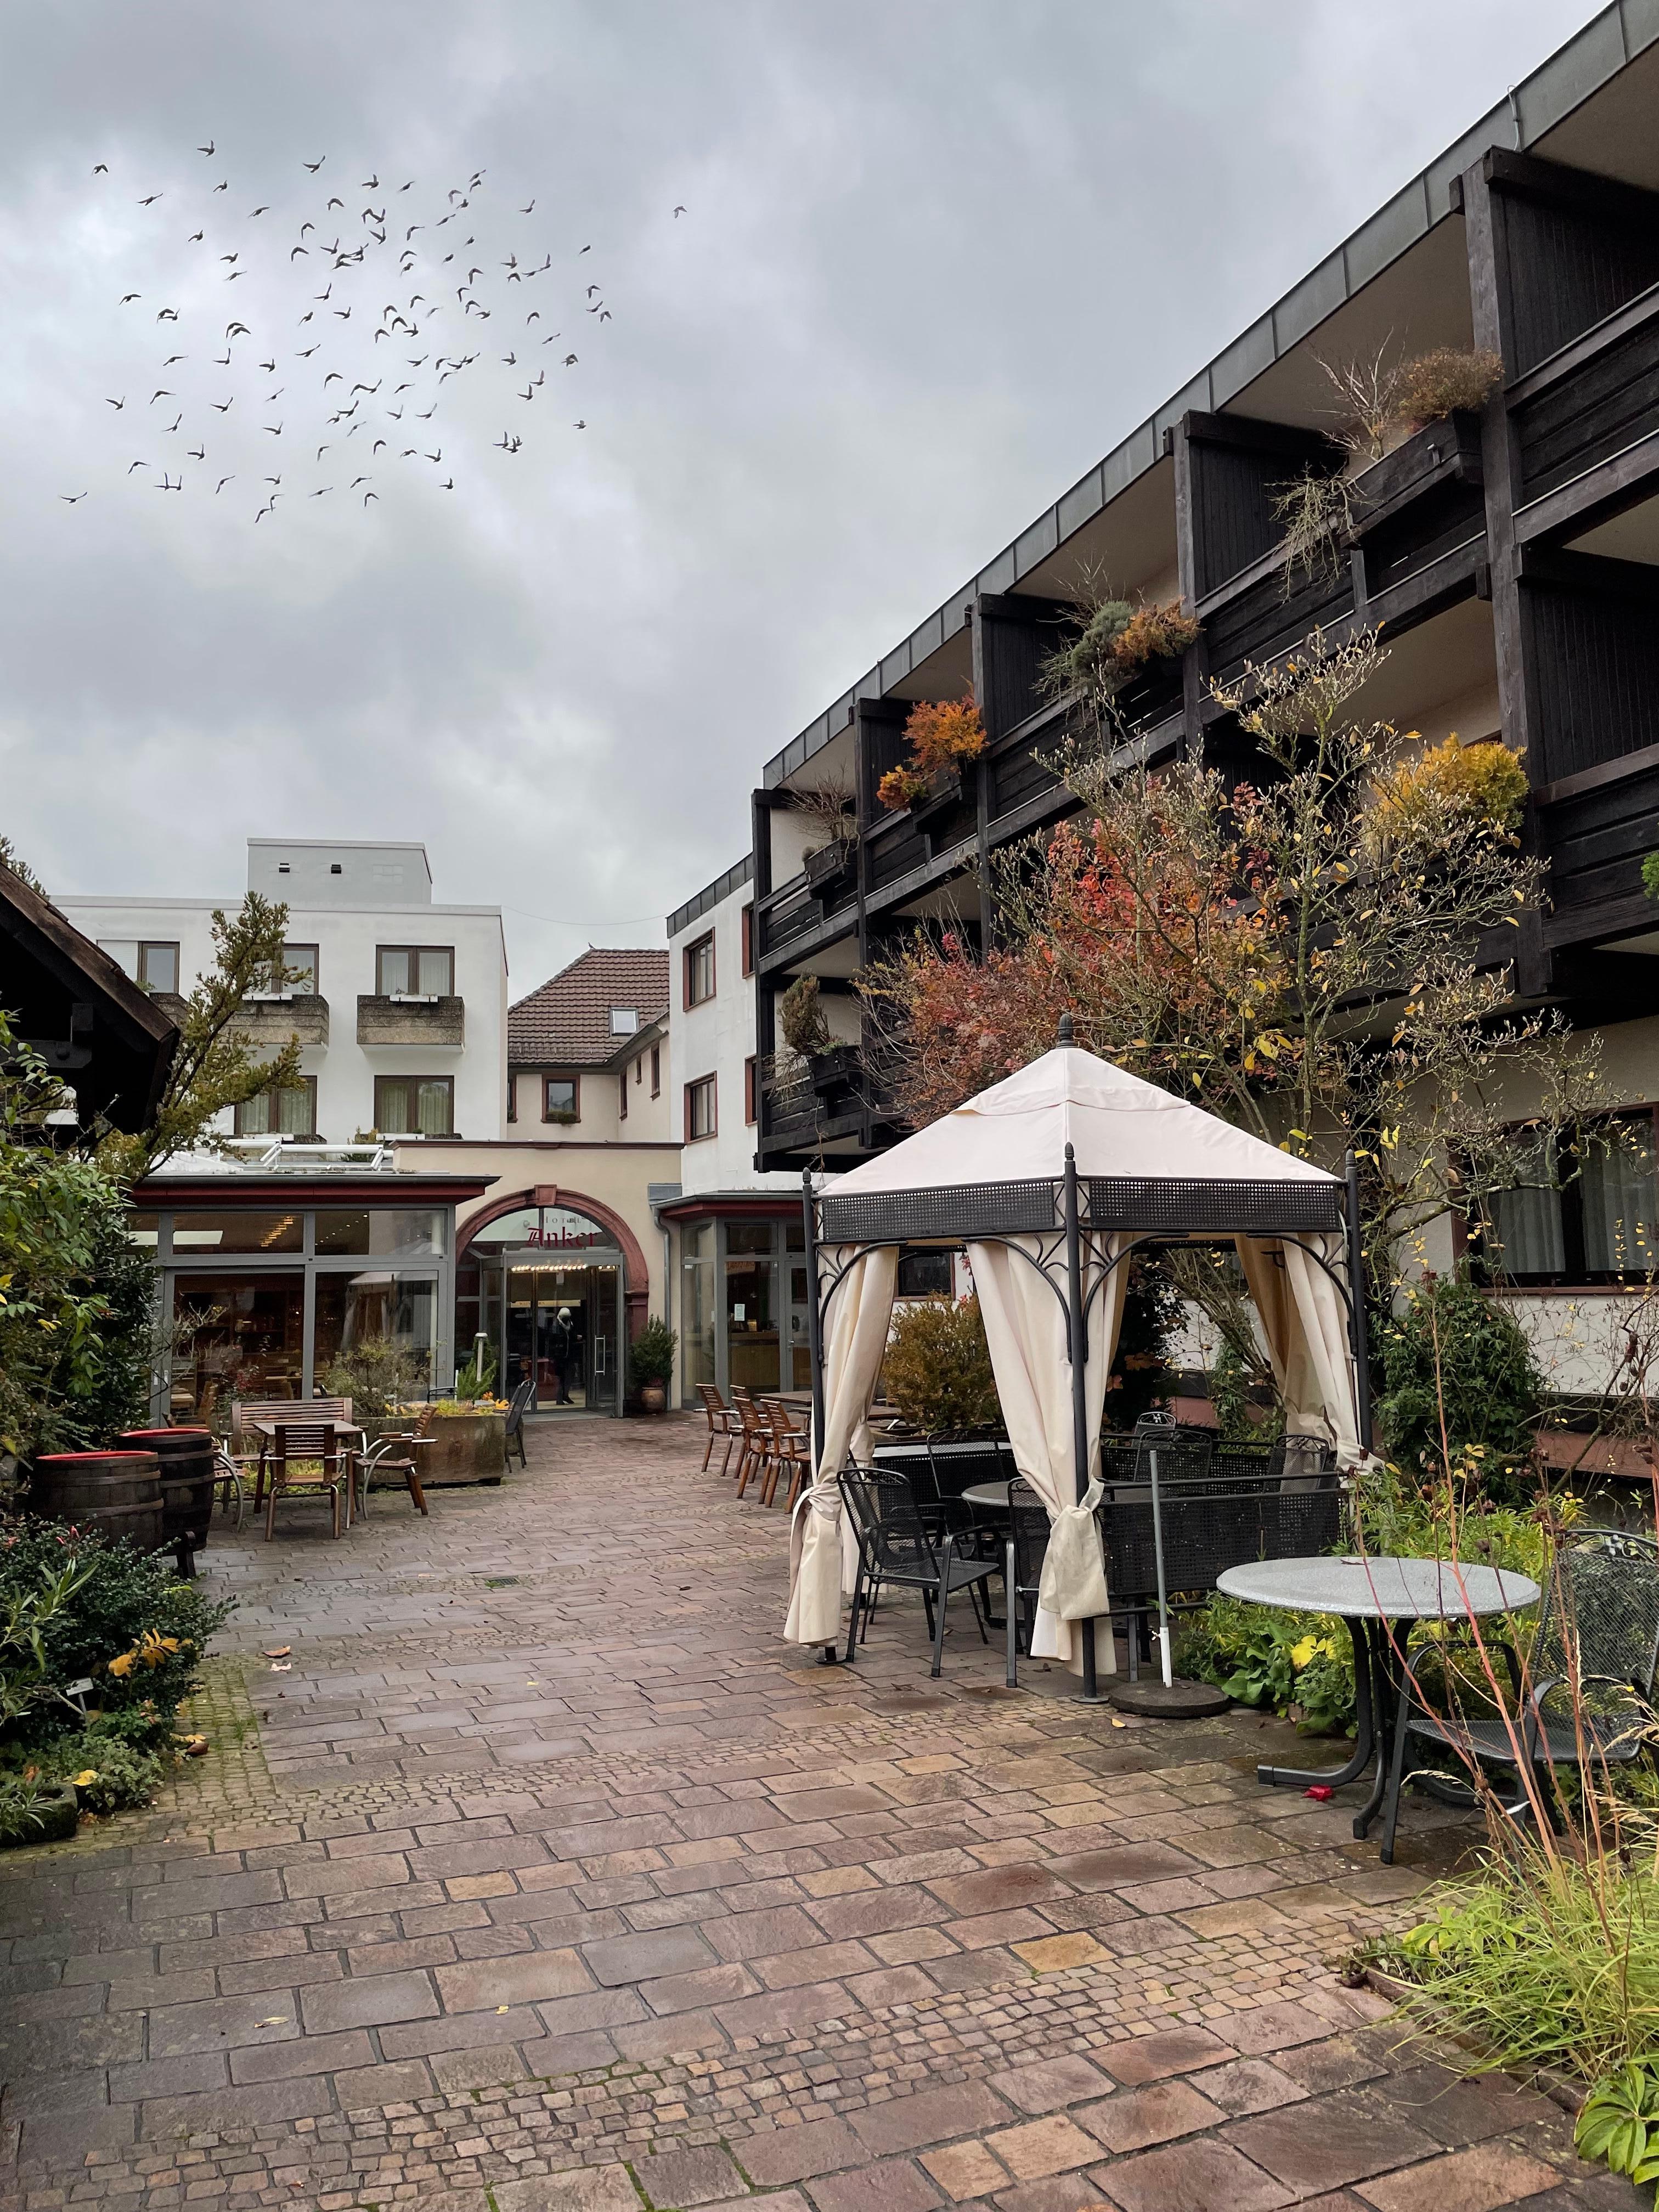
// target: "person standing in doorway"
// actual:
[[563, 1346]]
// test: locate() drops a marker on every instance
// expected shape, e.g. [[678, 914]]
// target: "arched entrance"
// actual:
[[547, 1285]]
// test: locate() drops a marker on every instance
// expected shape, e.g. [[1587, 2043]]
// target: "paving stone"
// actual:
[[1048, 2084], [1200, 2176], [1150, 2058], [687, 2176], [931, 2116], [1136, 2118], [1326, 2143], [376, 2001], [965, 2169], [893, 2185], [1038, 2148], [523, 1977], [587, 2189], [1471, 2180]]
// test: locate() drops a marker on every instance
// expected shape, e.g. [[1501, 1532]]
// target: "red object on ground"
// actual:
[[1321, 1791]]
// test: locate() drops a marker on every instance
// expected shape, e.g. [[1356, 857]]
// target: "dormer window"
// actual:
[[624, 1020]]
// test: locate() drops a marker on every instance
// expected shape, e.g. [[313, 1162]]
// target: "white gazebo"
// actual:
[[1052, 1179]]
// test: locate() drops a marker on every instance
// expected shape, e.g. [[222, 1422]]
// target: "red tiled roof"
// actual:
[[567, 1022]]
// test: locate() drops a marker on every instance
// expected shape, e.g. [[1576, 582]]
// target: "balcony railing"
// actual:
[[274, 1020], [385, 1020]]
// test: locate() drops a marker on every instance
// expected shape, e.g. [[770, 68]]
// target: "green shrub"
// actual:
[[1283, 1662], [938, 1368], [131, 1624], [1619, 2121], [651, 1356], [378, 1374], [1451, 1347]]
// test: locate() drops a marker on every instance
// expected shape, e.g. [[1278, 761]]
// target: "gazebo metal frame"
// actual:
[[1157, 1212]]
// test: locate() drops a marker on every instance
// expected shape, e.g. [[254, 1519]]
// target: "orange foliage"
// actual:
[[943, 734]]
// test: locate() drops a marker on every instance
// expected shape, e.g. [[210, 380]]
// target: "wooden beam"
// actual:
[[1593, 573], [1602, 199]]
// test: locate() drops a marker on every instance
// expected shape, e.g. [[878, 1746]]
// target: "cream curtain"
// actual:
[[822, 1553], [1026, 1330], [1305, 1326]]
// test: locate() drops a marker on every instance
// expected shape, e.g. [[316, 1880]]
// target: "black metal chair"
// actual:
[[1585, 1696], [897, 1543], [513, 1435]]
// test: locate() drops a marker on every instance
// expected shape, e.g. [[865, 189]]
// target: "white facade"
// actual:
[[716, 1037], [350, 900]]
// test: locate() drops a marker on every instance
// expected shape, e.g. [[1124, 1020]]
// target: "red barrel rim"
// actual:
[[74, 1459]]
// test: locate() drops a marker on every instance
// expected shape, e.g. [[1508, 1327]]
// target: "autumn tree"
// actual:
[[1319, 955]]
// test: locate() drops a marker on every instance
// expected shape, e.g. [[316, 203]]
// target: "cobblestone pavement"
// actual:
[[550, 1880]]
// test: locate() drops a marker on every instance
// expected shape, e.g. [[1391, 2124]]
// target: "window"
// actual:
[[700, 971], [299, 973], [748, 939], [924, 1275], [153, 967], [290, 1111], [638, 1069], [749, 1084], [700, 1108], [414, 1105], [622, 1095], [415, 971], [560, 1099], [656, 1071], [1584, 1212], [624, 1020]]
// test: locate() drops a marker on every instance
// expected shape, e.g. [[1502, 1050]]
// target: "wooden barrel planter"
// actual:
[[186, 1458], [115, 1493]]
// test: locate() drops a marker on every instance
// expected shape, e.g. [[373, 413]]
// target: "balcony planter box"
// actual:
[[410, 1021], [943, 793], [275, 1019], [1446, 451], [832, 1070], [464, 1448], [828, 869]]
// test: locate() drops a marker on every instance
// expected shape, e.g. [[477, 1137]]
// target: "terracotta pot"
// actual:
[[654, 1399]]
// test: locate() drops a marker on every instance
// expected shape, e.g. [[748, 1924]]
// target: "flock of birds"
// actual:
[[326, 379]]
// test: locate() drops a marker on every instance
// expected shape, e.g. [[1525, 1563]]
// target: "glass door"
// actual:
[[603, 1337]]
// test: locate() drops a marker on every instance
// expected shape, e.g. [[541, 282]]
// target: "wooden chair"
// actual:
[[299, 1448], [512, 1434], [722, 1422], [387, 1454], [757, 1431], [250, 1449], [790, 1447]]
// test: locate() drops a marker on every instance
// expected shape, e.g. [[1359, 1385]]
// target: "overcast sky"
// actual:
[[937, 257]]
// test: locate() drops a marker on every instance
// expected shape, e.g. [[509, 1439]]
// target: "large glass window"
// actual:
[[236, 1336], [415, 971], [394, 1234], [1584, 1210], [235, 1231], [376, 1306], [414, 1105], [697, 1303], [287, 1110], [751, 1318]]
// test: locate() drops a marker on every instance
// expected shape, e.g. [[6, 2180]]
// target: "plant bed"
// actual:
[[1449, 449], [53, 1816], [467, 1446], [943, 793], [1560, 2088]]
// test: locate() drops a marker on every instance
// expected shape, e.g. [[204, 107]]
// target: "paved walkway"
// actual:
[[550, 1880]]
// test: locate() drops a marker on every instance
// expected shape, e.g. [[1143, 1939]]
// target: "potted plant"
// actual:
[[828, 864], [651, 1363], [943, 736], [827, 1064]]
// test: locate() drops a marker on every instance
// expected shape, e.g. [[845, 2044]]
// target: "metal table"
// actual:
[[1379, 1600], [992, 1495]]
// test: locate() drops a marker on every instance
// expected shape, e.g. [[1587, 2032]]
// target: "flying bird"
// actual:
[[604, 314], [679, 210], [269, 368], [172, 357], [100, 168], [356, 481], [307, 352], [70, 497], [530, 209], [338, 203], [220, 486], [235, 274], [151, 201], [208, 148], [195, 238], [132, 465], [275, 429], [586, 249], [297, 251], [368, 495], [225, 407], [237, 329], [197, 454], [128, 297], [449, 486], [370, 185], [162, 392], [570, 361], [176, 421], [118, 404], [225, 187], [579, 425], [167, 315], [265, 209], [314, 166]]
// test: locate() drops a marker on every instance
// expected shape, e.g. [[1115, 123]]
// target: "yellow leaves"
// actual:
[[151, 1650], [85, 1780], [1309, 1649]]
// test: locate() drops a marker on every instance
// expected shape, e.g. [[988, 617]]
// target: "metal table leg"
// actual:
[[1365, 1734]]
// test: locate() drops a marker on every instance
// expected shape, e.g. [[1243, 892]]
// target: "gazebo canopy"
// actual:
[[1146, 1161], [1052, 1178]]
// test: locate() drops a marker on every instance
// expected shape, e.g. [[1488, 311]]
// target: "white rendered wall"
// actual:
[[717, 1038], [346, 940]]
